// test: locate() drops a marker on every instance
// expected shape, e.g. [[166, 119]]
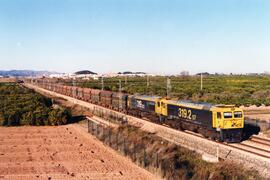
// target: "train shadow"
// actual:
[[76, 119], [250, 130]]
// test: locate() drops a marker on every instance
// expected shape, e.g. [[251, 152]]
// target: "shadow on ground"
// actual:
[[250, 130], [76, 119]]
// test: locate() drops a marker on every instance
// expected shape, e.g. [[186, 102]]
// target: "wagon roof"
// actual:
[[117, 94]]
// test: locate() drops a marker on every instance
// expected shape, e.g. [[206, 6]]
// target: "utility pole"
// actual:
[[201, 82], [148, 81], [120, 91], [120, 86], [126, 80], [102, 83], [73, 84], [169, 87]]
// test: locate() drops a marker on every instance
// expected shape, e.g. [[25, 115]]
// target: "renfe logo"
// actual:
[[140, 104]]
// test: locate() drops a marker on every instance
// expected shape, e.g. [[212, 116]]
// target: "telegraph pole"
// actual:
[[126, 80], [148, 81], [120, 86], [169, 87], [102, 83], [201, 82], [120, 91], [73, 84]]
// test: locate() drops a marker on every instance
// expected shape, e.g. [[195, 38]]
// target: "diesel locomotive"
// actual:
[[218, 122]]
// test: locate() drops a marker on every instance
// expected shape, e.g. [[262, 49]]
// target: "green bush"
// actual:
[[21, 106], [59, 116]]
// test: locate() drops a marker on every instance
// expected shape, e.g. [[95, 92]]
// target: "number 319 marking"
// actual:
[[186, 114]]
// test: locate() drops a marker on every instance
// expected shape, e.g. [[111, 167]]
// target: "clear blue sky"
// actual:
[[139, 35]]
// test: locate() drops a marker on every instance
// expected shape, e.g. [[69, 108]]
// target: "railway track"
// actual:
[[260, 140], [254, 153], [253, 149]]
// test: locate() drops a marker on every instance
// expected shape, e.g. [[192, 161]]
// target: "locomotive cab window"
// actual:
[[218, 115], [158, 104], [238, 114], [228, 115]]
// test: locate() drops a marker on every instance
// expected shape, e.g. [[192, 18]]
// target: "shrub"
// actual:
[[21, 106]]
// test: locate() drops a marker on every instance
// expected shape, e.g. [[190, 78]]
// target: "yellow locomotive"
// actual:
[[219, 122]]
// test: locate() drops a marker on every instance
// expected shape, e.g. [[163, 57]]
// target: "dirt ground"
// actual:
[[260, 113], [64, 152], [5, 80]]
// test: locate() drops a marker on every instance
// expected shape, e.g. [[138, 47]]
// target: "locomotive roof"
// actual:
[[199, 105]]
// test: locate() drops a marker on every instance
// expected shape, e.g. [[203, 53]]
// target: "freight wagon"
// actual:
[[218, 122]]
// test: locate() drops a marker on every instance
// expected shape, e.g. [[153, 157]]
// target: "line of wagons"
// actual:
[[218, 122], [108, 99]]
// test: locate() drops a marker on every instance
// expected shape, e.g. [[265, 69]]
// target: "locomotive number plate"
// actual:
[[186, 114]]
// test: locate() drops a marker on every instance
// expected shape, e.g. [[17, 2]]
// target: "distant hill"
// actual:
[[85, 72], [25, 73]]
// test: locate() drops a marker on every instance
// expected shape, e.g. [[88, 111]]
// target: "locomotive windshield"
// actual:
[[238, 114], [228, 115]]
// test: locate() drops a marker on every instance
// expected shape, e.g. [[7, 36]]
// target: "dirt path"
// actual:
[[65, 152]]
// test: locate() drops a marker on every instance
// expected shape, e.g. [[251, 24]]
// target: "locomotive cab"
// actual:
[[229, 121]]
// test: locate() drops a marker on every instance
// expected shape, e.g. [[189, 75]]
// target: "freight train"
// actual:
[[218, 122]]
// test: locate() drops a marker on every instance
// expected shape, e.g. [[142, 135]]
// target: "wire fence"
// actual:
[[136, 151]]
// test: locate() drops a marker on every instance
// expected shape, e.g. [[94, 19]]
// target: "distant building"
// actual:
[[184, 73], [253, 74], [129, 73], [203, 73]]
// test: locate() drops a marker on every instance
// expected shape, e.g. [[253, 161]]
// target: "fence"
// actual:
[[137, 152]]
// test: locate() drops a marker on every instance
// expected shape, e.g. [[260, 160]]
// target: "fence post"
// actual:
[[97, 131], [144, 157], [157, 159], [134, 152], [109, 137], [117, 140], [92, 128], [124, 147], [88, 125]]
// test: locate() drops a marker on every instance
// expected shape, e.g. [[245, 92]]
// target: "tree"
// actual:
[[59, 116]]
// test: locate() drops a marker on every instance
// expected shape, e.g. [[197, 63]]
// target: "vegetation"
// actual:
[[21, 106], [229, 89], [165, 158]]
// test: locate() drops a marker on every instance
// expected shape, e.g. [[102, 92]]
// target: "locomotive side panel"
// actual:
[[195, 116], [144, 105]]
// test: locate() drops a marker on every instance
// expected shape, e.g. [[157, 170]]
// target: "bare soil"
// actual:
[[63, 152], [7, 80], [261, 113]]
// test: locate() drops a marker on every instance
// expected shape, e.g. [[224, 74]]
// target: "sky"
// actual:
[[156, 36]]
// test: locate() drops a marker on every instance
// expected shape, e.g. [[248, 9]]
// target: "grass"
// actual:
[[230, 89]]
